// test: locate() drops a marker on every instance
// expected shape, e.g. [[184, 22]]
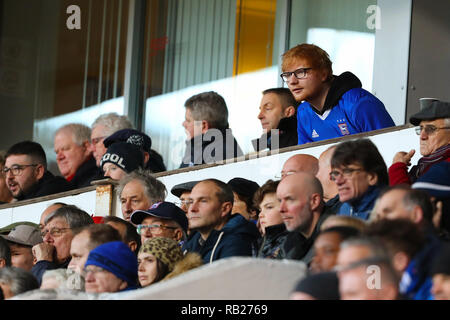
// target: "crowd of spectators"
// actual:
[[346, 215]]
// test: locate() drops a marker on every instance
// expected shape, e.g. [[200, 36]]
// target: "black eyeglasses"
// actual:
[[429, 129], [299, 74], [17, 170], [347, 173]]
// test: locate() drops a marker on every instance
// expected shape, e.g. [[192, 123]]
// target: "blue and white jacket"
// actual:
[[348, 109]]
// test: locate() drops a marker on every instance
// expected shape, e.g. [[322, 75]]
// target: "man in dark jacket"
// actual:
[[74, 155], [209, 138], [57, 235], [26, 172], [359, 171], [278, 110], [218, 233], [301, 207], [433, 123]]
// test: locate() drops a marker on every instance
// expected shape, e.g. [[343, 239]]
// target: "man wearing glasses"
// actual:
[[433, 128], [26, 172], [57, 235], [163, 219], [331, 106], [359, 172]]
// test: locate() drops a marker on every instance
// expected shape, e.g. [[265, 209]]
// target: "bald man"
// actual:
[[300, 163], [330, 190], [301, 207]]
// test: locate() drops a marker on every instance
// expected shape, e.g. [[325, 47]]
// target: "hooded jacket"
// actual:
[[348, 109], [47, 185], [204, 149], [236, 238], [287, 135]]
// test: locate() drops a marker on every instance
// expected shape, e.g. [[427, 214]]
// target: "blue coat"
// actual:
[[236, 238], [348, 109], [417, 281], [362, 207]]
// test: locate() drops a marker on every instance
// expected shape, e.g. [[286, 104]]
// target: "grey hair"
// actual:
[[154, 189], [74, 216], [209, 106], [19, 280], [66, 278], [112, 122], [5, 252], [80, 132], [376, 247]]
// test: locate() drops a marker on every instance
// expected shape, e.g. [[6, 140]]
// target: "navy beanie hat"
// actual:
[[126, 156], [117, 258], [132, 136]]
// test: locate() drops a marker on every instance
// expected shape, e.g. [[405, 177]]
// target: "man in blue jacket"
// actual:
[[218, 233], [331, 106], [360, 173]]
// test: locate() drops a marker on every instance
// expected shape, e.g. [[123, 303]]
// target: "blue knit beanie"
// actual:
[[117, 258]]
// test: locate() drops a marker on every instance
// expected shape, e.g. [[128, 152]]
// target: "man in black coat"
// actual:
[[26, 172], [278, 110], [74, 155], [209, 137]]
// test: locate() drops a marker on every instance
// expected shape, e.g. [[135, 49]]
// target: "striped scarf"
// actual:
[[441, 154]]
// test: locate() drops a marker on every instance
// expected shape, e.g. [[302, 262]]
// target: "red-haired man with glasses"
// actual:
[[433, 123], [331, 106]]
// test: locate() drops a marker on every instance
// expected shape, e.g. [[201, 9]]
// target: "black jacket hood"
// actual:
[[340, 85]]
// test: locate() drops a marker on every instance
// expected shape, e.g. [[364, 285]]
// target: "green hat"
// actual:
[[6, 230]]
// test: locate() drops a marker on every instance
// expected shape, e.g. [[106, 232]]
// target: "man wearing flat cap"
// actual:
[[182, 191], [20, 240], [433, 123], [243, 192]]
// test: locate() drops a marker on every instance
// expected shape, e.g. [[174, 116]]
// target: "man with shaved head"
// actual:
[[330, 190], [300, 163], [301, 207]]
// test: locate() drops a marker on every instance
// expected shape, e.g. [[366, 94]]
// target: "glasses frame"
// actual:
[[52, 231], [139, 227], [18, 168], [285, 76], [429, 129], [346, 172]]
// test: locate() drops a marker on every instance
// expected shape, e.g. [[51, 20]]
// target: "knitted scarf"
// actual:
[[441, 154]]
